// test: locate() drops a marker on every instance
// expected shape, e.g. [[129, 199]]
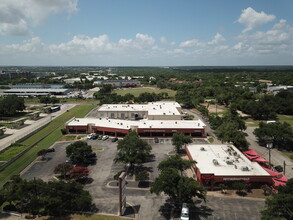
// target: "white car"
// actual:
[[90, 136], [105, 137], [184, 212]]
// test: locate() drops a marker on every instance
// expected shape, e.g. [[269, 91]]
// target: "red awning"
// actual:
[[260, 159], [273, 173], [283, 178], [251, 157], [278, 183], [251, 152]]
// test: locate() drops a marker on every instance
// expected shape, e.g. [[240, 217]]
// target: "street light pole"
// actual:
[[269, 147]]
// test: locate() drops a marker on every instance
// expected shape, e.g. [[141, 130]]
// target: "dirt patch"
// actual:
[[214, 108]]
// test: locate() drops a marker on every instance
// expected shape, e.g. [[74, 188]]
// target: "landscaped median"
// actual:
[[48, 136]]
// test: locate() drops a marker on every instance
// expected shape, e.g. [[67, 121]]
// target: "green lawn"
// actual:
[[27, 158], [286, 118], [137, 91]]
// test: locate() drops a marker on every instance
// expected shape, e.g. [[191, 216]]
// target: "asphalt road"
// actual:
[[277, 158]]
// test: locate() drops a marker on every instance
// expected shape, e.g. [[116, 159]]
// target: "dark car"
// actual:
[[50, 150], [114, 139], [157, 140], [279, 168]]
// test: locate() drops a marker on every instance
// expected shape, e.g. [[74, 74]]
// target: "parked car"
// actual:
[[100, 137], [90, 136], [184, 212], [114, 139], [50, 150], [105, 137], [279, 168], [157, 140]]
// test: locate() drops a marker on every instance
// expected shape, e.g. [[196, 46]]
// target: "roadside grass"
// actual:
[[137, 91], [251, 122], [286, 118], [288, 154], [68, 138], [54, 127]]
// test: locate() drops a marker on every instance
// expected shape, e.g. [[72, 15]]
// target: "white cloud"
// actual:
[[192, 43], [163, 40], [217, 39], [252, 19], [141, 41], [17, 16], [277, 40], [82, 44]]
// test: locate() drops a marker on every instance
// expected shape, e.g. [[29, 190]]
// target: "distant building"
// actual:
[[36, 92], [276, 89], [119, 83], [265, 81]]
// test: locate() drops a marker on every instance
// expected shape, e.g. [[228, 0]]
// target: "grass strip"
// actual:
[[55, 126]]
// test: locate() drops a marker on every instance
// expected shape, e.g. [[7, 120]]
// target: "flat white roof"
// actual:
[[126, 124], [224, 160], [153, 108]]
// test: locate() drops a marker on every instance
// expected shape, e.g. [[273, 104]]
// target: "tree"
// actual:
[[42, 153], [180, 189], [78, 151], [239, 186], [280, 205], [79, 173], [228, 132], [176, 162], [10, 105], [46, 198], [179, 139], [280, 134], [45, 99], [63, 168], [133, 150]]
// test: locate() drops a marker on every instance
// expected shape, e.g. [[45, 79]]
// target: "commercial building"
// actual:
[[151, 111], [225, 164], [149, 120]]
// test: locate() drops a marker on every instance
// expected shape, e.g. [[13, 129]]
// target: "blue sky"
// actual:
[[146, 32]]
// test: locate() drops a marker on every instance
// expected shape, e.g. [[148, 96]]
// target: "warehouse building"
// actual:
[[225, 164], [119, 83], [36, 92]]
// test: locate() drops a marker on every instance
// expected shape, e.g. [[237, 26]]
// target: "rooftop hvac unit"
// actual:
[[215, 162], [202, 149], [244, 168], [230, 162]]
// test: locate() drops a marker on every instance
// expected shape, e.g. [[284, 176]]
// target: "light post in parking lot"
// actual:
[[269, 147]]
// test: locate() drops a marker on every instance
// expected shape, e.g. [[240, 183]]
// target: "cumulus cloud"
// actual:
[[192, 43], [82, 44], [252, 19], [217, 39], [17, 16], [141, 41], [277, 40]]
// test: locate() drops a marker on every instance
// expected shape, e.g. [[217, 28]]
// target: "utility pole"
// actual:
[[284, 167]]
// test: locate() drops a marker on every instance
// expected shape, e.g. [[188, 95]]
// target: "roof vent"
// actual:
[[215, 162], [244, 168], [229, 162], [202, 149], [175, 122]]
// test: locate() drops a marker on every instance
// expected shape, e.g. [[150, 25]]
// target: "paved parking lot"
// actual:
[[149, 206]]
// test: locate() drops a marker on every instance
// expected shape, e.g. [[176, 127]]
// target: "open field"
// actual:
[[286, 118], [53, 128], [137, 91]]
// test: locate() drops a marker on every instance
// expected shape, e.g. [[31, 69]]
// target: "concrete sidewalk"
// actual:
[[30, 126]]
